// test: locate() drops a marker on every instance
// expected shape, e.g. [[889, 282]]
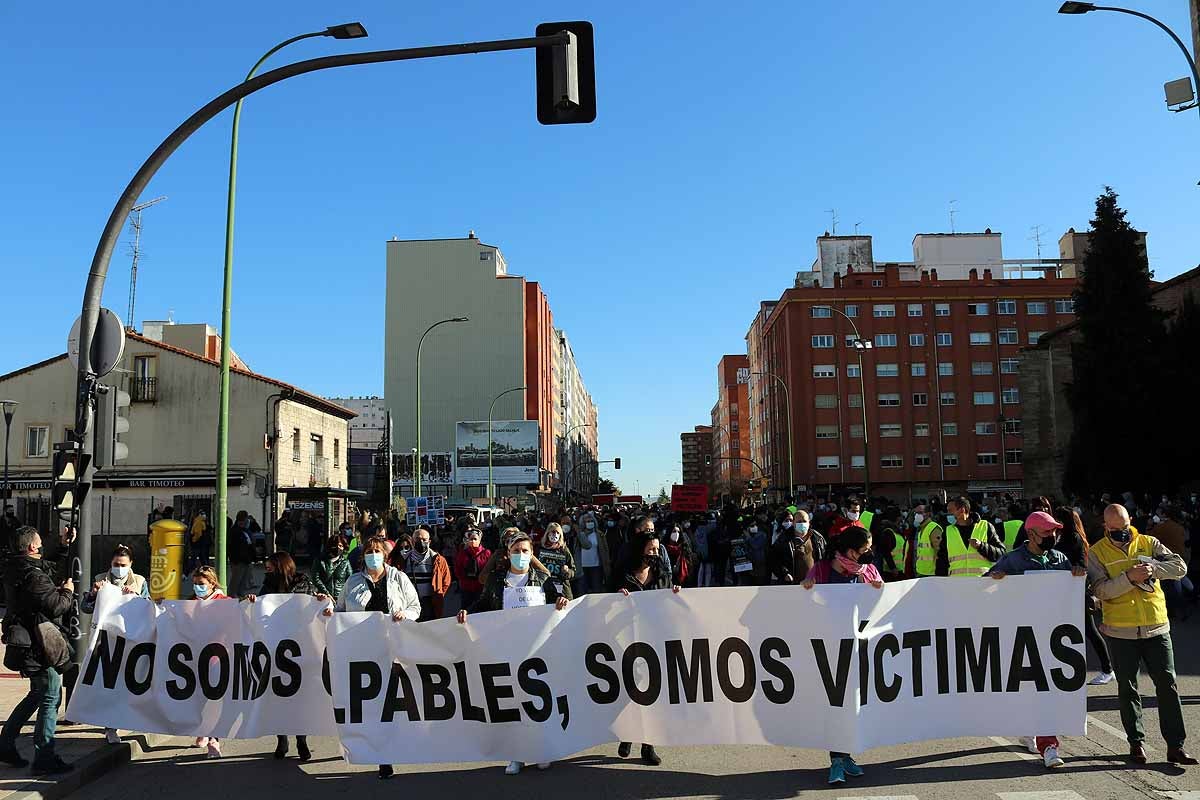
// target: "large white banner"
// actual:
[[216, 668], [834, 668]]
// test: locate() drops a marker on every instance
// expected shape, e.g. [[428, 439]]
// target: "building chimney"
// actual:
[[471, 235], [987, 274], [933, 275], [973, 274]]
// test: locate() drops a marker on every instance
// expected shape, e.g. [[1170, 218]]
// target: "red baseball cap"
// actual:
[[1041, 521]]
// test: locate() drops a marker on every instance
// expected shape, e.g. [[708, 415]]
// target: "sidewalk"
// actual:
[[81, 745]]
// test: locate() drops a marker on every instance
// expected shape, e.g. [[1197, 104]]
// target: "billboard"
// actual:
[[514, 452], [437, 469]]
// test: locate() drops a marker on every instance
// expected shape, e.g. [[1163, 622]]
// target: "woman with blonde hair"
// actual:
[[206, 588]]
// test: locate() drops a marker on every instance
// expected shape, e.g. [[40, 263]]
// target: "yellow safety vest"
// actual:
[[900, 553], [926, 561], [865, 518], [1011, 528], [965, 561], [1136, 608]]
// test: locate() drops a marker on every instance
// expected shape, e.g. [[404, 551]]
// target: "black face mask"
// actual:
[[866, 558], [1047, 542], [1123, 536], [422, 547], [649, 560]]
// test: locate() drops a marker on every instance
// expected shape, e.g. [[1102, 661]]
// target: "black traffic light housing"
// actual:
[[616, 463], [566, 75], [68, 489]]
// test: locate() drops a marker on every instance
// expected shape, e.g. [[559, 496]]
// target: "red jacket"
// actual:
[[840, 524], [463, 560]]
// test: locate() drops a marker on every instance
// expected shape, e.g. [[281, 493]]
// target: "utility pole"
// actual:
[[135, 250]]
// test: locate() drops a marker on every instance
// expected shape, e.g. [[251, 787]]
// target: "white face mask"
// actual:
[[918, 519], [120, 573], [674, 536], [754, 529], [566, 528], [787, 523], [852, 516]]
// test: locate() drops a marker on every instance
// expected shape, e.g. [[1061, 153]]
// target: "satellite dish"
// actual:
[[108, 343]]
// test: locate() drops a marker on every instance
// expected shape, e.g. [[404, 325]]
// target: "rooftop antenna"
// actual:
[[832, 212], [135, 250], [953, 212], [1036, 238]]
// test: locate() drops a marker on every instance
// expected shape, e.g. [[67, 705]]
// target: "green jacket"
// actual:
[[330, 575]]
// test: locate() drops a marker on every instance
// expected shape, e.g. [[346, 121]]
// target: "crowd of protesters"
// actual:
[[1131, 549]]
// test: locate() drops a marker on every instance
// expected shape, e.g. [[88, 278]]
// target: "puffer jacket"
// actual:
[[330, 575], [33, 598], [401, 594]]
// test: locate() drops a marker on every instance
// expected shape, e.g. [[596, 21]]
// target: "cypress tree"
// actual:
[[1119, 393]]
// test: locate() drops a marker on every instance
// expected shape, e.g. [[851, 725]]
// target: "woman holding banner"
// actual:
[[852, 557], [282, 578], [379, 587], [643, 571], [206, 588], [516, 583]]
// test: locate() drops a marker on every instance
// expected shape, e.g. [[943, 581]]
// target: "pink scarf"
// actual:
[[848, 566]]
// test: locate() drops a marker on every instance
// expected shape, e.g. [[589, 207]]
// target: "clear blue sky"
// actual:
[[724, 133]]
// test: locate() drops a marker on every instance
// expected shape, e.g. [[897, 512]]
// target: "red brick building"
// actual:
[[696, 448], [939, 384], [732, 468]]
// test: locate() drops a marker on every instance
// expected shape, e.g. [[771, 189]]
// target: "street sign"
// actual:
[[108, 344], [426, 511], [689, 497]]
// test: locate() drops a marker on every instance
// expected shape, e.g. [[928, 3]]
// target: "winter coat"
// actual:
[[791, 558], [272, 584], [470, 580], [492, 598], [33, 598], [659, 578], [136, 584], [330, 575], [401, 594]]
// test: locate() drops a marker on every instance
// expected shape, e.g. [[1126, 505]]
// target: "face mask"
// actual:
[[918, 519], [422, 547], [553, 538], [566, 528], [650, 559], [674, 536], [687, 525], [998, 521], [200, 590], [1156, 519], [866, 558], [473, 544], [120, 573], [1048, 541], [591, 526], [611, 524], [787, 523], [852, 516], [986, 509], [1122, 536], [374, 561], [802, 527], [404, 551], [950, 518], [754, 529], [520, 561]]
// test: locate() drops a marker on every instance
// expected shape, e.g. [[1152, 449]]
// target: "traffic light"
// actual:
[[566, 75], [616, 463], [67, 489], [111, 426]]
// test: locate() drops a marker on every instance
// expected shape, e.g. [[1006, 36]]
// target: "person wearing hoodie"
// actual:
[[970, 545]]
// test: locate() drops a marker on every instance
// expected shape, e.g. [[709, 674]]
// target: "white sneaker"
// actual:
[[214, 748], [513, 768], [1101, 679], [1051, 758], [545, 765], [111, 736], [1029, 743]]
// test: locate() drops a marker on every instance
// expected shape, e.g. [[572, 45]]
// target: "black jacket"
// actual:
[[659, 578], [992, 548], [492, 597], [300, 585], [33, 597], [789, 559]]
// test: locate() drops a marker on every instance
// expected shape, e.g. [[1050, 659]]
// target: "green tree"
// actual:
[[606, 486], [1116, 394], [663, 498]]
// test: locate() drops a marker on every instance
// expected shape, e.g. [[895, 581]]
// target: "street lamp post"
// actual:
[[352, 30], [1084, 8], [10, 407], [492, 408], [860, 346], [417, 454], [787, 400]]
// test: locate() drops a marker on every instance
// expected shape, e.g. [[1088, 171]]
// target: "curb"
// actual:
[[92, 766]]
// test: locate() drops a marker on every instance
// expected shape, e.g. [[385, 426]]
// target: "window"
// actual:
[[891, 461], [945, 369], [295, 444], [921, 429], [1012, 426], [1006, 306], [916, 340], [822, 341], [920, 399], [981, 337], [827, 431], [822, 312], [858, 462], [914, 309], [918, 369], [985, 428], [986, 459], [877, 283], [889, 399], [977, 309], [922, 461], [1010, 396], [1035, 335], [824, 371], [884, 310], [885, 340], [856, 431], [853, 370], [1064, 306], [143, 387], [981, 368], [887, 370], [37, 441], [1012, 456], [890, 432], [941, 309], [337, 453], [984, 399], [949, 429], [828, 462], [851, 311], [948, 398], [950, 460], [854, 401], [1037, 307], [944, 340], [825, 400], [1008, 336]]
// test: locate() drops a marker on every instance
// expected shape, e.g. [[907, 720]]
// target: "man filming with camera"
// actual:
[[1125, 570]]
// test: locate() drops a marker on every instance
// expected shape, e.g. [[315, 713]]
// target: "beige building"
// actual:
[[279, 437], [576, 422]]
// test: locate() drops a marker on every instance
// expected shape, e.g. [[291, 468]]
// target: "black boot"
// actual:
[[281, 747], [623, 749], [302, 748], [649, 756], [13, 758], [385, 771]]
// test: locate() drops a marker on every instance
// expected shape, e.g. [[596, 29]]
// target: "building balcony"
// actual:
[[143, 390]]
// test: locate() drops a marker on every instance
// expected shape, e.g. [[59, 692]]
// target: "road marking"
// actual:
[[1060, 795], [882, 797], [1021, 750], [1181, 795], [1109, 729]]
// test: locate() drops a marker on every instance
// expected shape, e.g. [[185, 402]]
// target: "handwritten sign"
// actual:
[[524, 596]]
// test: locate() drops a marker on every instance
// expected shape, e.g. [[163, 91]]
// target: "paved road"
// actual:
[[970, 767]]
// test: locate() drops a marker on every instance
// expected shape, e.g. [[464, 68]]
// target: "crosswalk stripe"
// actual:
[[1065, 794], [1019, 752], [1109, 729]]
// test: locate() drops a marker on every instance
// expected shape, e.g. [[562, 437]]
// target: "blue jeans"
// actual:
[[44, 690]]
